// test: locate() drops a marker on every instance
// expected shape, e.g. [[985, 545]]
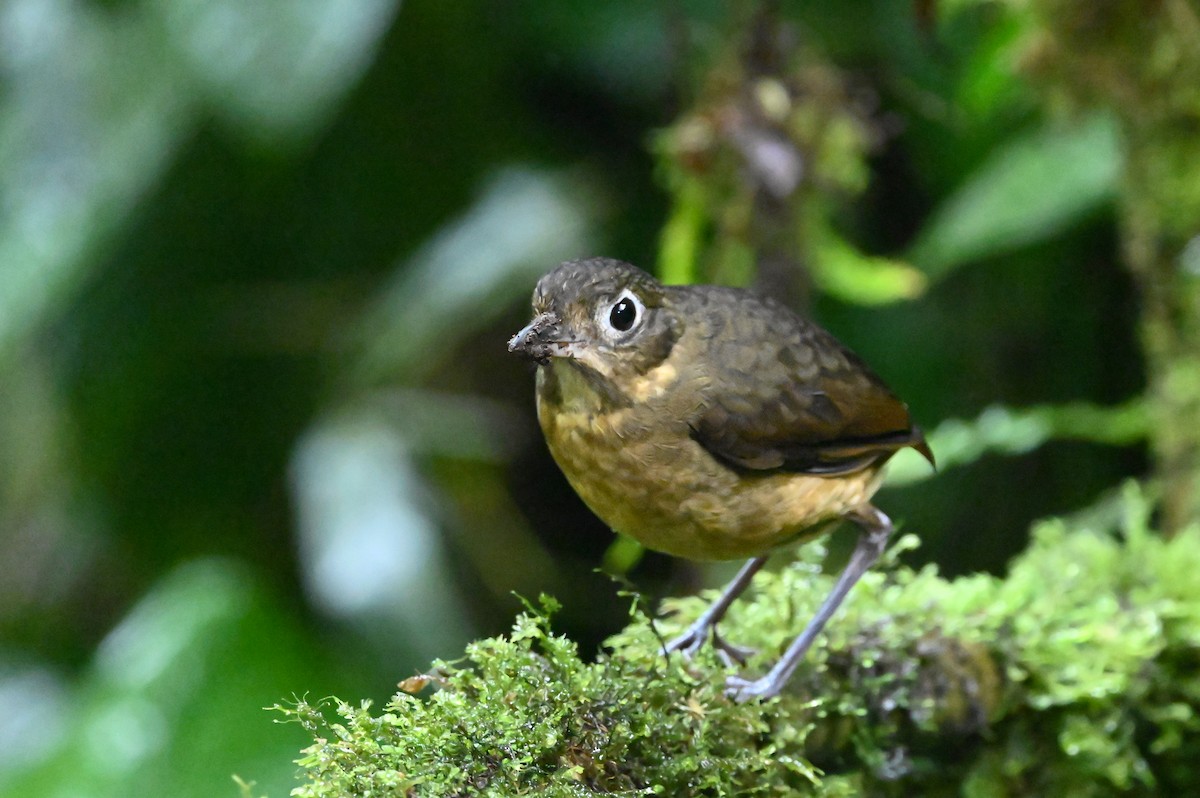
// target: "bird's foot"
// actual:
[[691, 641], [730, 653], [742, 690], [687, 644]]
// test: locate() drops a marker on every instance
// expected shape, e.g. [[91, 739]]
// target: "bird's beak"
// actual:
[[541, 339]]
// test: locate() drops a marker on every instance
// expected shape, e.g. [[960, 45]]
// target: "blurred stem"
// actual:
[[775, 138], [1170, 337], [1141, 62], [681, 234]]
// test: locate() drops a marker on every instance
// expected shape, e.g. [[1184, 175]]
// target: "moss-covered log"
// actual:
[[1078, 674]]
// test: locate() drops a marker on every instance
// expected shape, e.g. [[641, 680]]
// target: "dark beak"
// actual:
[[539, 339]]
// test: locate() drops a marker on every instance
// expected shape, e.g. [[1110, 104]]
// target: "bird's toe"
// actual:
[[742, 690]]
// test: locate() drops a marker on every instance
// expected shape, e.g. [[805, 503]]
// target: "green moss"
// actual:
[[525, 715], [1075, 675]]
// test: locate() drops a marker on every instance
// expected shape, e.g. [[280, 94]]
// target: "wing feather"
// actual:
[[786, 395]]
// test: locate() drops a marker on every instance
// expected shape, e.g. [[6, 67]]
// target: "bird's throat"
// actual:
[[570, 386]]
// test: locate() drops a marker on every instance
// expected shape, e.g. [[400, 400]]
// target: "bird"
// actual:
[[712, 423]]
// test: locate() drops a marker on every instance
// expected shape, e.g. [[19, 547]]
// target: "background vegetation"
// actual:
[[258, 431]]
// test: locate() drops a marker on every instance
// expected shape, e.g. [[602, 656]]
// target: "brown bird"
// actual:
[[713, 424]]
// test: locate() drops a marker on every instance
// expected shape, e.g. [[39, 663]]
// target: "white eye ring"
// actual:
[[622, 316]]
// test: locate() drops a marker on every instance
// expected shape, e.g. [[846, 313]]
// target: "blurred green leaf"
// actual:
[[472, 269], [990, 80], [843, 271], [1035, 187], [622, 555], [624, 45], [96, 102], [367, 528], [1006, 430], [679, 243], [172, 704], [436, 423], [36, 716], [273, 67], [89, 116]]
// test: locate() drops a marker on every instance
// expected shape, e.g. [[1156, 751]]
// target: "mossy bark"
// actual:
[[1141, 62], [1166, 263]]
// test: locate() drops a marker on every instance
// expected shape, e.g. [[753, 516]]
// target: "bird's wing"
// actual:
[[795, 399]]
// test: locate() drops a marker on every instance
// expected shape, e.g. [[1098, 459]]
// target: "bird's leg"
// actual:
[[876, 529], [691, 641]]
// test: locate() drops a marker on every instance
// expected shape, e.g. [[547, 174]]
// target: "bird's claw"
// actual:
[[742, 690], [687, 644], [730, 653], [690, 642]]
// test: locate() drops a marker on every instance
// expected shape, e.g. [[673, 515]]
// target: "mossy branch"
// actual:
[[1075, 675]]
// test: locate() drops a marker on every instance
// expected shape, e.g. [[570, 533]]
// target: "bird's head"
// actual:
[[605, 315]]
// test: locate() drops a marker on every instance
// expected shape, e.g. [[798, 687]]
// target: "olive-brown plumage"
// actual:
[[706, 422]]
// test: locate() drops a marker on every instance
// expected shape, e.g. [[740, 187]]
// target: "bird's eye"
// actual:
[[620, 318], [623, 314]]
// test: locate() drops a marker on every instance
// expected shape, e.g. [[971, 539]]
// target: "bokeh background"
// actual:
[[259, 433]]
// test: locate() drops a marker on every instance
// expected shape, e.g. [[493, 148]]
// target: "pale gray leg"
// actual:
[[876, 529], [692, 640]]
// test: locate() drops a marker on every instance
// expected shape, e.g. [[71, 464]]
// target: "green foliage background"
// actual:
[[258, 432]]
